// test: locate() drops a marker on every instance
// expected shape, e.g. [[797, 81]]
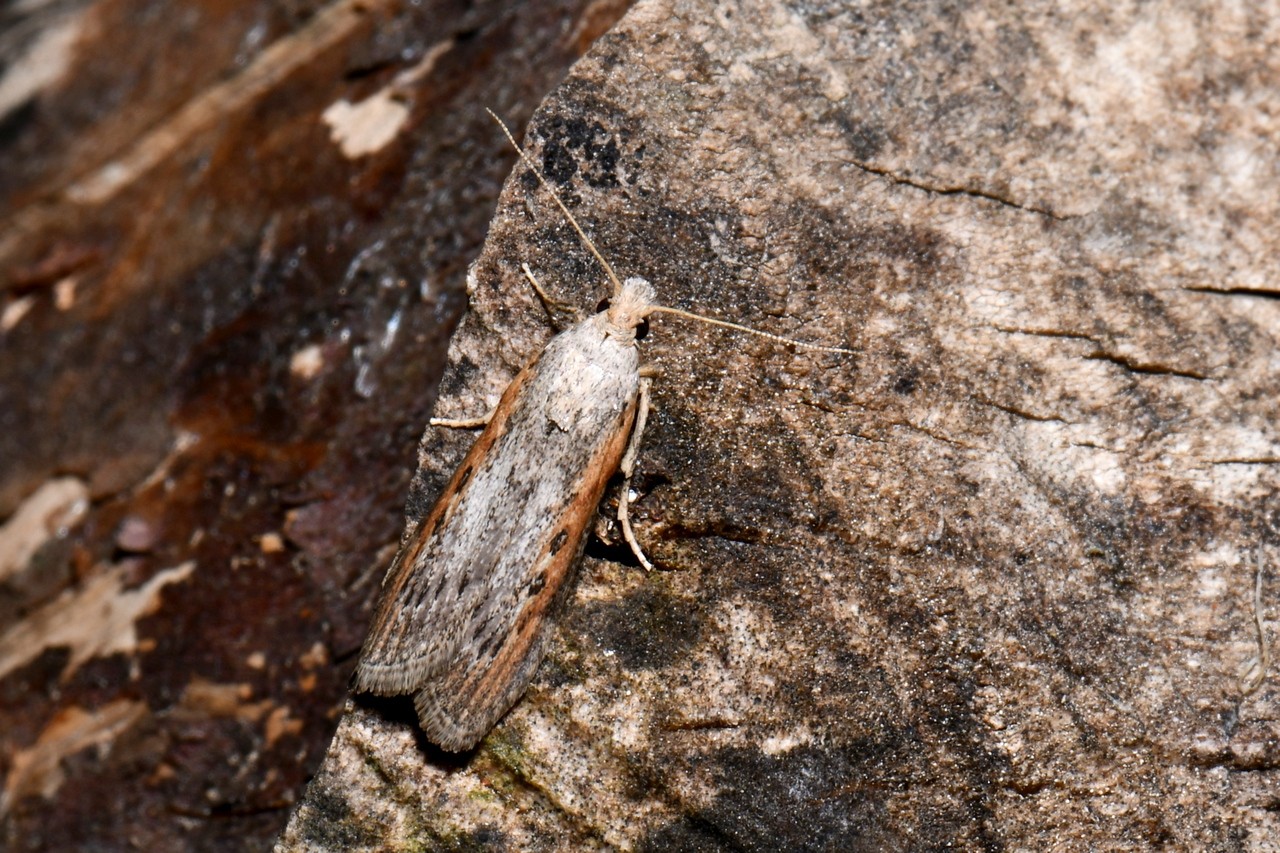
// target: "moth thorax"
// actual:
[[630, 306]]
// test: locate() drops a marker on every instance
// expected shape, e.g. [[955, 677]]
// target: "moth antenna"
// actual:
[[662, 309], [613, 277], [528, 161]]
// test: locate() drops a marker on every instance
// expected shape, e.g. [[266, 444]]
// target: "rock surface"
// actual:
[[989, 585]]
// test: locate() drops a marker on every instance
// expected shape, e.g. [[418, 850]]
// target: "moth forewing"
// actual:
[[466, 605], [459, 707], [397, 655]]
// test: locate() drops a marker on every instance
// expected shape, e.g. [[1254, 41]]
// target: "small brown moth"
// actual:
[[462, 620]]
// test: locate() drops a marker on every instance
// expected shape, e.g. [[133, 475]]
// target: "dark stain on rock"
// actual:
[[571, 144], [559, 671], [330, 822], [1135, 541], [906, 381], [922, 247], [649, 629], [865, 140], [459, 376], [805, 800]]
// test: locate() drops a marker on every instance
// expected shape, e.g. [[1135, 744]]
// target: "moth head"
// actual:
[[628, 309]]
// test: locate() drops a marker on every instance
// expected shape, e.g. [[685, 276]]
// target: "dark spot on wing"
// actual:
[[489, 648], [558, 542], [537, 584], [465, 478]]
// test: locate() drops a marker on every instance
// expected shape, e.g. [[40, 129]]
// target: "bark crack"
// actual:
[[936, 436]]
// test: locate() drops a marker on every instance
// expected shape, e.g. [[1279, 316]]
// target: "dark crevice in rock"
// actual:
[[1261, 292], [1022, 413], [985, 195], [1132, 365]]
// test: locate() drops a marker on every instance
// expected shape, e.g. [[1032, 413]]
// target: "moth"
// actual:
[[465, 606]]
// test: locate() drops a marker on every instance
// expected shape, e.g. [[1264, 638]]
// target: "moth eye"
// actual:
[[603, 306], [642, 330]]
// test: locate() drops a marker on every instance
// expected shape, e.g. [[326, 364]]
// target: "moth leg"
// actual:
[[629, 467], [555, 308], [463, 423]]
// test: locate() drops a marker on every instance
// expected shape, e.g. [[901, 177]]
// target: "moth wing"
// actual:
[[415, 628], [493, 667]]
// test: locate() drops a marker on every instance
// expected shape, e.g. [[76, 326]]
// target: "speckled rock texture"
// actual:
[[988, 585]]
